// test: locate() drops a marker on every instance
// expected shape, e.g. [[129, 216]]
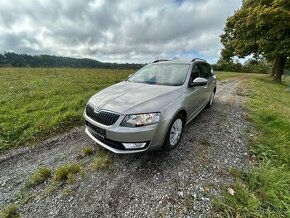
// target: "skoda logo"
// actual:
[[97, 109]]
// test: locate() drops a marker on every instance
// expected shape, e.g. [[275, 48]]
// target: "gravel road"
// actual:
[[180, 183]]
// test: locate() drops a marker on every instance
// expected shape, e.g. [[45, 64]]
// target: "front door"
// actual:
[[196, 94]]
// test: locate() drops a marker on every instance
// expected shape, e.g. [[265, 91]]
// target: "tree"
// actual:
[[255, 66], [15, 60], [260, 28], [3, 61]]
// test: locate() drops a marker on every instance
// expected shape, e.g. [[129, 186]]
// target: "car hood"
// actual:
[[129, 98]]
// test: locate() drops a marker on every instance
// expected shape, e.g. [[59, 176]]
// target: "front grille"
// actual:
[[103, 117], [100, 132]]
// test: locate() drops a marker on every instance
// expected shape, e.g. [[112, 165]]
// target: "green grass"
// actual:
[[87, 151], [66, 171], [36, 103], [10, 211], [264, 191], [222, 75], [38, 177], [101, 161]]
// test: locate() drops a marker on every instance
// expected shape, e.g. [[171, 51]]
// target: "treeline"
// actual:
[[250, 66], [10, 59]]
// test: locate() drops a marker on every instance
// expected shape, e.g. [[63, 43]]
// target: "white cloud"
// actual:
[[112, 30]]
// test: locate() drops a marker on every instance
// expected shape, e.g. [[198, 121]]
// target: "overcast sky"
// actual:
[[115, 30]]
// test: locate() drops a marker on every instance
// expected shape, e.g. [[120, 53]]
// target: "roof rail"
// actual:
[[158, 60], [198, 59]]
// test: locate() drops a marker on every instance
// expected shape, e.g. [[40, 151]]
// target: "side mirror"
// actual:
[[198, 82]]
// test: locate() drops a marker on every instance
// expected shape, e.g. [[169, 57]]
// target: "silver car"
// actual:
[[150, 110]]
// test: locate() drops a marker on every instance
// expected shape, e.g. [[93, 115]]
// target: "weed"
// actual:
[[52, 187], [10, 211], [102, 160], [87, 151], [65, 172], [27, 197], [234, 172], [66, 191], [39, 176], [71, 178]]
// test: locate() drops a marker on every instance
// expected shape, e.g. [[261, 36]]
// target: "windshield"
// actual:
[[161, 74]]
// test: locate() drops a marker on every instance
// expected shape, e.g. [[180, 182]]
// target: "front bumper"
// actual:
[[115, 135]]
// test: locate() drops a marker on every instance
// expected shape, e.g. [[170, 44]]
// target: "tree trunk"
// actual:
[[279, 68], [274, 65]]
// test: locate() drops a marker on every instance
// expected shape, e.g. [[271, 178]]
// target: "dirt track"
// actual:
[[167, 184]]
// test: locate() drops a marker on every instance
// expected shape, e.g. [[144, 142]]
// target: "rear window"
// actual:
[[207, 70]]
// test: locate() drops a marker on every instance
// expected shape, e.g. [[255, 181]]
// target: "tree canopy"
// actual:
[[259, 28]]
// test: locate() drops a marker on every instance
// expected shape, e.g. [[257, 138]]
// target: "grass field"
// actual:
[[222, 75], [264, 191], [36, 103]]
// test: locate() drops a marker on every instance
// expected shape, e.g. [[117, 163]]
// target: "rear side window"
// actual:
[[196, 72], [207, 71]]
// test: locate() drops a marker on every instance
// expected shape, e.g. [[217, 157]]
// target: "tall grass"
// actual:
[[36, 102], [264, 191]]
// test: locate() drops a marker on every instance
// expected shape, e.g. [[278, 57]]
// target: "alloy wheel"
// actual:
[[175, 132]]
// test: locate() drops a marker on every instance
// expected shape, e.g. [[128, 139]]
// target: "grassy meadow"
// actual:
[[222, 75], [36, 102]]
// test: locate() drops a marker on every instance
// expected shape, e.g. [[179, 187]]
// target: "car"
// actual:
[[150, 109]]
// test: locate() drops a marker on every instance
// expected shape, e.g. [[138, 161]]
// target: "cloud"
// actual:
[[113, 30]]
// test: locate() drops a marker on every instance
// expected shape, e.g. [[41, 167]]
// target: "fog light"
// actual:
[[134, 145]]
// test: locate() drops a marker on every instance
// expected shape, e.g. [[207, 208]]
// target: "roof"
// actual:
[[179, 61]]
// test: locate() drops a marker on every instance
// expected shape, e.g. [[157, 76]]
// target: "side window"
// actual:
[[196, 72], [207, 71]]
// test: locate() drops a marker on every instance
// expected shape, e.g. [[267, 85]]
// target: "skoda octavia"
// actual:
[[150, 109]]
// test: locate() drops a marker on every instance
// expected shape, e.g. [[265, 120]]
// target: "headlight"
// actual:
[[135, 120]]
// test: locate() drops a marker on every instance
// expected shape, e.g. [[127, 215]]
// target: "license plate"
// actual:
[[98, 131]]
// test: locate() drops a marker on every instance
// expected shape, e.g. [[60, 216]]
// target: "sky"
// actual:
[[122, 31]]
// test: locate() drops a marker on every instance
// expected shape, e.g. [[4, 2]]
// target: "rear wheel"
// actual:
[[174, 133]]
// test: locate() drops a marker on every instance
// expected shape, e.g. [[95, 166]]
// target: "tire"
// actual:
[[174, 133], [209, 104]]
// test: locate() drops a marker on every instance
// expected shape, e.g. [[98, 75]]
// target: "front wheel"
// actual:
[[174, 133]]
